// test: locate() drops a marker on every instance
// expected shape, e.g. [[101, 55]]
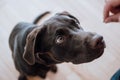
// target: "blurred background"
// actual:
[[90, 14]]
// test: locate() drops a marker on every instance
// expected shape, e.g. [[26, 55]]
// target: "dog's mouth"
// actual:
[[87, 58], [98, 51], [90, 54]]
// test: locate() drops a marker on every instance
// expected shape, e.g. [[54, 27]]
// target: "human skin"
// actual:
[[112, 11]]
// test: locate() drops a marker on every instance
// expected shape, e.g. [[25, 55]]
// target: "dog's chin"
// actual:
[[88, 58]]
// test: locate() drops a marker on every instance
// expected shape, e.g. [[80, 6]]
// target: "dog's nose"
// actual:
[[97, 42]]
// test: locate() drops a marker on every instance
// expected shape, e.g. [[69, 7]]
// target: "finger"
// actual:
[[106, 11], [115, 10], [113, 18]]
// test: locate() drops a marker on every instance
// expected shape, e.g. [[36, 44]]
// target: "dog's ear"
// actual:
[[68, 14], [29, 49]]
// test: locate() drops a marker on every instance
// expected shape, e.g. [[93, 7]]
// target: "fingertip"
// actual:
[[113, 18], [106, 10], [110, 19], [106, 21]]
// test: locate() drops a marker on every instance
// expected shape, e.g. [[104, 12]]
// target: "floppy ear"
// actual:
[[29, 49]]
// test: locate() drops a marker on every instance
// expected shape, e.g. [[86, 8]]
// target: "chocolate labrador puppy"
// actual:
[[37, 49]]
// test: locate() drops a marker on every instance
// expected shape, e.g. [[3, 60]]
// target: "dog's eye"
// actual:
[[60, 39]]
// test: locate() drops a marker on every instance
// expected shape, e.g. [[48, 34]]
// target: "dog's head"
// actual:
[[62, 39]]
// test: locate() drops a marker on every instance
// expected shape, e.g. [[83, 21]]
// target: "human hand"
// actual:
[[112, 6]]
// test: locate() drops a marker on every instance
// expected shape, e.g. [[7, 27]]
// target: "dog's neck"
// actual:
[[45, 59]]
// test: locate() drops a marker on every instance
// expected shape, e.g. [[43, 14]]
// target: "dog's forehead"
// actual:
[[58, 21], [68, 15], [62, 21]]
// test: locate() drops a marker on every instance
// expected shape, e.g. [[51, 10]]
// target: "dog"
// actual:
[[36, 49]]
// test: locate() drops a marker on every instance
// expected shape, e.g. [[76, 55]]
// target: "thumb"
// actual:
[[113, 18]]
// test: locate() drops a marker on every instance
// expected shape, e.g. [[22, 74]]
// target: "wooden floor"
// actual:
[[89, 12]]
